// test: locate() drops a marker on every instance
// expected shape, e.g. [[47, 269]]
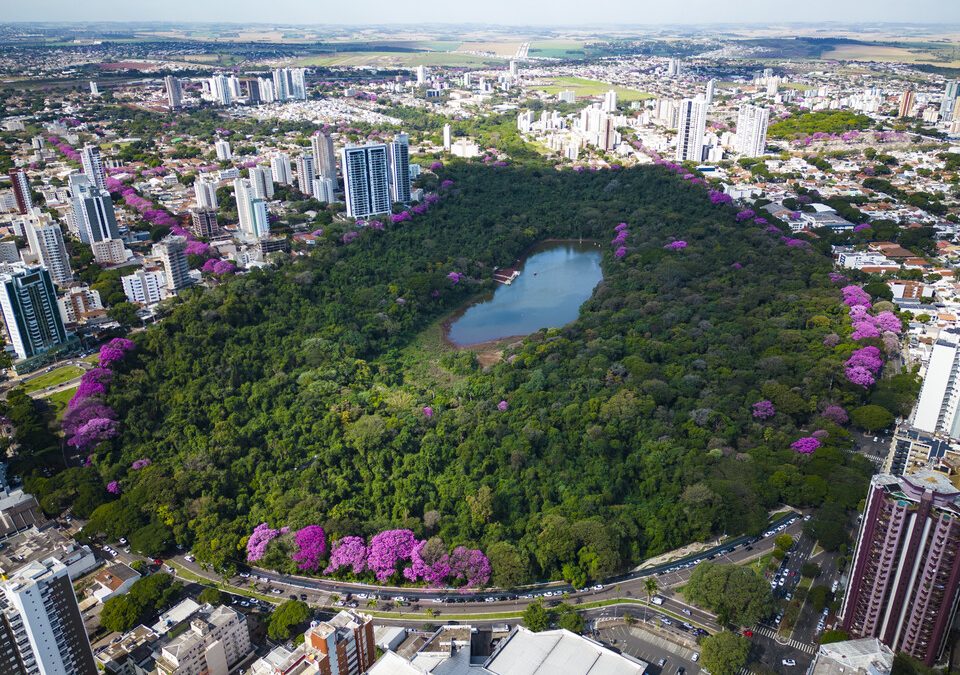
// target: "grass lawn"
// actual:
[[93, 358], [884, 53], [584, 87], [557, 49], [760, 564], [53, 378], [59, 401]]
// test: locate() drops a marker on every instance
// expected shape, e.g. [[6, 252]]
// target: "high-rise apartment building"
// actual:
[[93, 212], [949, 101], [282, 172], [251, 210], [203, 223], [220, 89], [421, 75], [205, 190], [289, 84], [145, 286], [110, 252], [30, 311], [324, 190], [344, 645], [447, 137], [711, 90], [324, 156], [939, 404], [400, 169], [691, 128], [609, 101], [80, 303], [46, 245], [174, 92], [366, 182], [267, 93], [215, 641], [674, 66], [172, 251], [43, 631], [261, 181], [906, 565], [907, 99], [751, 139], [93, 166], [222, 148], [306, 172], [21, 190], [94, 89]]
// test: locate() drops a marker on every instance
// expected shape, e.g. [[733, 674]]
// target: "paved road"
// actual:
[[451, 602]]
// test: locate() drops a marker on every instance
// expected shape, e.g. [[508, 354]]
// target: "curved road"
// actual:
[[460, 601]]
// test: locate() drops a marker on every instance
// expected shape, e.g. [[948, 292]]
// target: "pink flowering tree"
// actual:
[[835, 414], [806, 445], [262, 535], [311, 545], [348, 552], [113, 487], [763, 410], [387, 549], [470, 565]]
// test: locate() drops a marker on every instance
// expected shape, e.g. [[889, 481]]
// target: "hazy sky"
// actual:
[[507, 12]]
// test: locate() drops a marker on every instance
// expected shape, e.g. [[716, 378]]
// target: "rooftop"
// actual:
[[853, 657]]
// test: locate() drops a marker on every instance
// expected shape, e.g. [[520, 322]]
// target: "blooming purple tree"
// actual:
[[348, 552], [678, 245], [93, 432], [470, 565], [311, 545], [806, 445], [745, 214], [427, 411], [142, 463], [113, 487], [262, 535], [455, 277], [620, 252], [854, 295], [387, 549], [763, 410], [502, 406], [835, 414]]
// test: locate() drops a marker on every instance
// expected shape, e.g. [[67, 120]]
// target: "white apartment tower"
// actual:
[[937, 409], [222, 147], [93, 212], [752, 123], [400, 169], [43, 625], [711, 87], [366, 179], [447, 140], [172, 251], [306, 172], [205, 190], [252, 211], [46, 244], [144, 287], [610, 101], [324, 156], [261, 180], [282, 172], [421, 75], [174, 92], [93, 166], [690, 129]]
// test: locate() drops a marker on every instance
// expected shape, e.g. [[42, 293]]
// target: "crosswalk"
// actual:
[[796, 644]]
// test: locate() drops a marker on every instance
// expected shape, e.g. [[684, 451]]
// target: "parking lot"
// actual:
[[653, 649]]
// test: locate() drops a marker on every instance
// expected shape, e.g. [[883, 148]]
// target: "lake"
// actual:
[[555, 280]]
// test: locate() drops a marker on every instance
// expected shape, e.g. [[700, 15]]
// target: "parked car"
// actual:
[[789, 662]]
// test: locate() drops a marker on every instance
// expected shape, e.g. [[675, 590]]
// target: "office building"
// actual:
[[751, 139], [174, 92], [305, 174], [144, 287], [324, 156], [43, 630], [905, 577], [252, 211], [400, 169], [366, 181], [282, 172], [324, 190], [93, 212], [907, 99], [215, 641], [46, 245], [937, 409], [203, 223], [110, 252], [447, 139], [205, 190], [222, 147], [21, 190], [93, 166], [79, 304], [173, 255], [690, 129]]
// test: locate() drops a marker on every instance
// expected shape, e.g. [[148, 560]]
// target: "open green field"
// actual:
[[53, 378], [557, 49], [584, 87], [949, 56], [59, 401], [397, 59]]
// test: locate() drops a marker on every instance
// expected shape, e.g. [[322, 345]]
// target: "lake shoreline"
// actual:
[[498, 343]]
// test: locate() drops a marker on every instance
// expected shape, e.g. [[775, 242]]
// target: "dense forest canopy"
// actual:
[[295, 396]]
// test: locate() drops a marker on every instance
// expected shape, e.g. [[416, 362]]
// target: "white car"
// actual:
[[362, 596], [598, 587], [189, 558], [695, 657], [122, 541], [789, 662], [244, 575]]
